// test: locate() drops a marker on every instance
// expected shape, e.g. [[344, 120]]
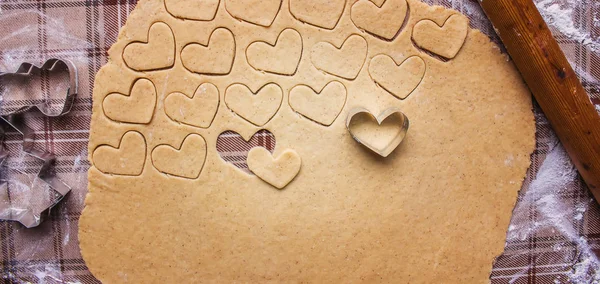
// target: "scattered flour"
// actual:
[[555, 174], [562, 20]]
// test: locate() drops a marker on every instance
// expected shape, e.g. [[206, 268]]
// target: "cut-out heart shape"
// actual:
[[214, 58], [384, 20], [344, 61], [186, 161], [199, 110], [278, 172], [200, 10], [320, 13], [256, 107], [445, 40], [282, 57], [127, 158], [233, 148], [136, 107], [381, 134], [399, 80], [322, 107], [258, 12], [156, 52]]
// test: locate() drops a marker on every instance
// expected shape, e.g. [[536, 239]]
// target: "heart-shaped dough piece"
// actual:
[[322, 107], [186, 161], [127, 158], [277, 172], [199, 110], [344, 61], [399, 80], [256, 107], [136, 107], [282, 57], [214, 58], [201, 10], [445, 40], [157, 52], [381, 134], [258, 12], [383, 20], [321, 13]]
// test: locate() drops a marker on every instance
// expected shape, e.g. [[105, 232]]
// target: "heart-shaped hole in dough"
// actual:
[[233, 148], [381, 134]]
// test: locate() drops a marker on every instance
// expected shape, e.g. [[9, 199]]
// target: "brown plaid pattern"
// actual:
[[538, 250]]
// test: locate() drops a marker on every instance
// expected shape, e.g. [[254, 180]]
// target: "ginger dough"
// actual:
[[164, 207]]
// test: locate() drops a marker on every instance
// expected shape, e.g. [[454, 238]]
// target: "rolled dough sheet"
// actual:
[[435, 211]]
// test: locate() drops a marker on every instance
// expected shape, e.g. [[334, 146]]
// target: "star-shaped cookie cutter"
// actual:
[[15, 120]]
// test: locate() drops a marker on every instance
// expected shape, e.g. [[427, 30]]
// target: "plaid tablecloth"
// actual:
[[554, 235]]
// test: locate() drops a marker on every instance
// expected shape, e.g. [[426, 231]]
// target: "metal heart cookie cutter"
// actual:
[[30, 217], [381, 134]]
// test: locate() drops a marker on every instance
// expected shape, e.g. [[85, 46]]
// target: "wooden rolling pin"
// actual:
[[552, 81]]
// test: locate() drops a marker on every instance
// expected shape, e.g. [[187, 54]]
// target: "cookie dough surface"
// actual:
[[164, 207]]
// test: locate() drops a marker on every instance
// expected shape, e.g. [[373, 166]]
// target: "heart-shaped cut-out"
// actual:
[[282, 57], [136, 107], [399, 80], [321, 13], [201, 10], [199, 110], [445, 40], [258, 12], [384, 20], [278, 172], [186, 161], [213, 58], [127, 158], [322, 107], [233, 148], [381, 134], [157, 52], [256, 107], [344, 61]]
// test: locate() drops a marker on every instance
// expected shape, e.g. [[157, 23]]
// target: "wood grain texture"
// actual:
[[552, 81]]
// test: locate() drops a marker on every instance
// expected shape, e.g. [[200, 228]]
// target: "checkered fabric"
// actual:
[[556, 246]]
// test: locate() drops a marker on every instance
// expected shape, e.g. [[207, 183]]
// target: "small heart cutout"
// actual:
[[320, 13], [157, 52], [278, 172], [384, 20], [233, 148], [381, 134], [186, 161], [127, 158], [200, 10], [256, 107], [399, 80], [136, 107], [322, 107], [445, 40], [258, 12], [214, 58], [199, 110], [282, 57], [344, 61]]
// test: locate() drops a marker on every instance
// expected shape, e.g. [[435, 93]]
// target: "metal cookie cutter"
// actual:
[[15, 119], [380, 134]]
